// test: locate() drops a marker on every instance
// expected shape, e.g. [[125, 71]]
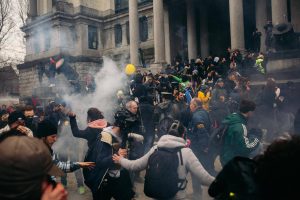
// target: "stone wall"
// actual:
[[29, 83]]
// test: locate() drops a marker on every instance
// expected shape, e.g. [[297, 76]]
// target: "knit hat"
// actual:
[[220, 80], [15, 116], [45, 128]]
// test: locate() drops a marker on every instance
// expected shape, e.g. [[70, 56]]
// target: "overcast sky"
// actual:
[[14, 47]]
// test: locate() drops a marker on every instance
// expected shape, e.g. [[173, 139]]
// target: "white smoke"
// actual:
[[108, 80]]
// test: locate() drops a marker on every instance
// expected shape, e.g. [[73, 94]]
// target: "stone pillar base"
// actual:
[[156, 68]]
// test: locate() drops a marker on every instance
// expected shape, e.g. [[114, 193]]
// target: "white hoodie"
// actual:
[[190, 162]]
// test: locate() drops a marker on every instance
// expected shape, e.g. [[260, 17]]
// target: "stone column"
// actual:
[[167, 35], [44, 6], [295, 11], [204, 35], [32, 8], [134, 32], [49, 6], [191, 30], [279, 11], [236, 24], [159, 39], [124, 37], [261, 21]]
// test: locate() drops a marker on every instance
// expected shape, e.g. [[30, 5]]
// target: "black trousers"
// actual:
[[117, 188]]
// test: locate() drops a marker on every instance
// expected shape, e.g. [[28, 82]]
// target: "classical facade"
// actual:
[[142, 32]]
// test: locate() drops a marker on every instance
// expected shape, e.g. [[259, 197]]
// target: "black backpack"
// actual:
[[161, 179], [165, 121], [216, 139]]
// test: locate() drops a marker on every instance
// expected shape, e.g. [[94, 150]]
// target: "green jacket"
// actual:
[[236, 139], [180, 81]]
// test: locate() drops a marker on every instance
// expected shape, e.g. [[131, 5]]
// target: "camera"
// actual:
[[126, 121]]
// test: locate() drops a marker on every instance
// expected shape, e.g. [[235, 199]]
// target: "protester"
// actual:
[[16, 125], [47, 132], [26, 165], [268, 176], [199, 133], [236, 140], [107, 180], [189, 162]]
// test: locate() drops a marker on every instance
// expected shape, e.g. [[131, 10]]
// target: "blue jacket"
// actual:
[[199, 129]]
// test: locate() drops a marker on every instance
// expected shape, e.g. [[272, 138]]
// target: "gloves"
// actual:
[[136, 137]]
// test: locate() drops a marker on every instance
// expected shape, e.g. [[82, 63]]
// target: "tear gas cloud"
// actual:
[[108, 80]]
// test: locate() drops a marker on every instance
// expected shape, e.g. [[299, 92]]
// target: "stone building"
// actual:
[[9, 82], [142, 32]]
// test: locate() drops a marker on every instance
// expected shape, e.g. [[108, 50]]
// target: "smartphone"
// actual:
[[51, 181]]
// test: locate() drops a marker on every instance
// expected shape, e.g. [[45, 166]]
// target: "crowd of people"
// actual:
[[189, 118]]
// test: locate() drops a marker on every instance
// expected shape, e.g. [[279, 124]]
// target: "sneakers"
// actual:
[[81, 190]]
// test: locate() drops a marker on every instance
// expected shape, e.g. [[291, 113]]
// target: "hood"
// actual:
[[99, 123], [170, 142], [110, 131], [164, 105], [235, 118]]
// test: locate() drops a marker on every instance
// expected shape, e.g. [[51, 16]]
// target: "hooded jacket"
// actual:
[[236, 139], [101, 153], [190, 162], [91, 132]]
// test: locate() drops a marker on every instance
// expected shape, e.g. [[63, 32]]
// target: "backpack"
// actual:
[[165, 121], [216, 139], [161, 179]]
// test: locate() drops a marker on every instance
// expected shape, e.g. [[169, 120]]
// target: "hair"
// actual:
[[247, 106], [271, 84], [28, 108], [129, 104], [176, 129], [278, 169], [197, 102], [94, 114]]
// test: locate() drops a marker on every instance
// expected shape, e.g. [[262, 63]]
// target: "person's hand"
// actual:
[[57, 193], [24, 130], [89, 165], [116, 158], [122, 152], [71, 114]]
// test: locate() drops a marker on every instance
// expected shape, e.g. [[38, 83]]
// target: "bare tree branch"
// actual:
[[6, 22], [23, 10]]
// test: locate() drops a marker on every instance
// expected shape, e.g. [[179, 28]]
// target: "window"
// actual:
[[36, 44], [118, 35], [47, 39], [143, 25], [121, 5], [92, 37], [127, 32]]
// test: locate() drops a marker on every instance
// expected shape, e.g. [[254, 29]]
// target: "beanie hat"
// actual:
[[15, 116], [45, 128]]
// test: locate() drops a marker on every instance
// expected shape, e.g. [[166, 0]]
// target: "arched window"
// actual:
[[118, 35], [143, 22]]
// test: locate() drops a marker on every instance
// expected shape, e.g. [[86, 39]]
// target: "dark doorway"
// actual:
[[218, 26], [178, 30], [249, 22]]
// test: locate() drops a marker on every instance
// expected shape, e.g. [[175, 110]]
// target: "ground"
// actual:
[[73, 194]]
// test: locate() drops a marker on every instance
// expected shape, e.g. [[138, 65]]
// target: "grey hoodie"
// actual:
[[190, 162]]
